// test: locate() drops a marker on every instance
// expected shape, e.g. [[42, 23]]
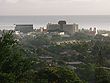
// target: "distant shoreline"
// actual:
[[84, 21]]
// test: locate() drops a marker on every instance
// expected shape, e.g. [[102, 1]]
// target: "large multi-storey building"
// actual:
[[53, 27], [62, 26], [70, 28], [25, 28]]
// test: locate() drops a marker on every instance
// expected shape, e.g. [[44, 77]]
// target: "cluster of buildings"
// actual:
[[92, 31], [61, 28]]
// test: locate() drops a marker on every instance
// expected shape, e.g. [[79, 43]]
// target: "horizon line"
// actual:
[[55, 15]]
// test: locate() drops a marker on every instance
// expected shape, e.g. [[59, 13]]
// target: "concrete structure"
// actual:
[[92, 31], [61, 23], [25, 28], [53, 27], [70, 28], [62, 26]]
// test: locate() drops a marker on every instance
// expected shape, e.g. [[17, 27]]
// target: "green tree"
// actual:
[[102, 73], [13, 63], [57, 75]]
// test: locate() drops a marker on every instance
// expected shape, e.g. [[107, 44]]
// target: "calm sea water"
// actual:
[[87, 21]]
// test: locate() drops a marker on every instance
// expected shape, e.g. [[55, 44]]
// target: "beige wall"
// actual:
[[53, 26], [70, 28]]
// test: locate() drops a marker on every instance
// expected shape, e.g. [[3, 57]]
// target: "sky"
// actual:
[[54, 7]]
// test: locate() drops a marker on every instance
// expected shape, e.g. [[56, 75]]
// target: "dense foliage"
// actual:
[[39, 59], [16, 66]]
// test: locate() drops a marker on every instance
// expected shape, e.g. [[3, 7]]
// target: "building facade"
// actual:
[[62, 26], [53, 27], [70, 28], [25, 28]]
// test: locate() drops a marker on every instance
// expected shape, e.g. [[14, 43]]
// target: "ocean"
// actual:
[[85, 21]]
